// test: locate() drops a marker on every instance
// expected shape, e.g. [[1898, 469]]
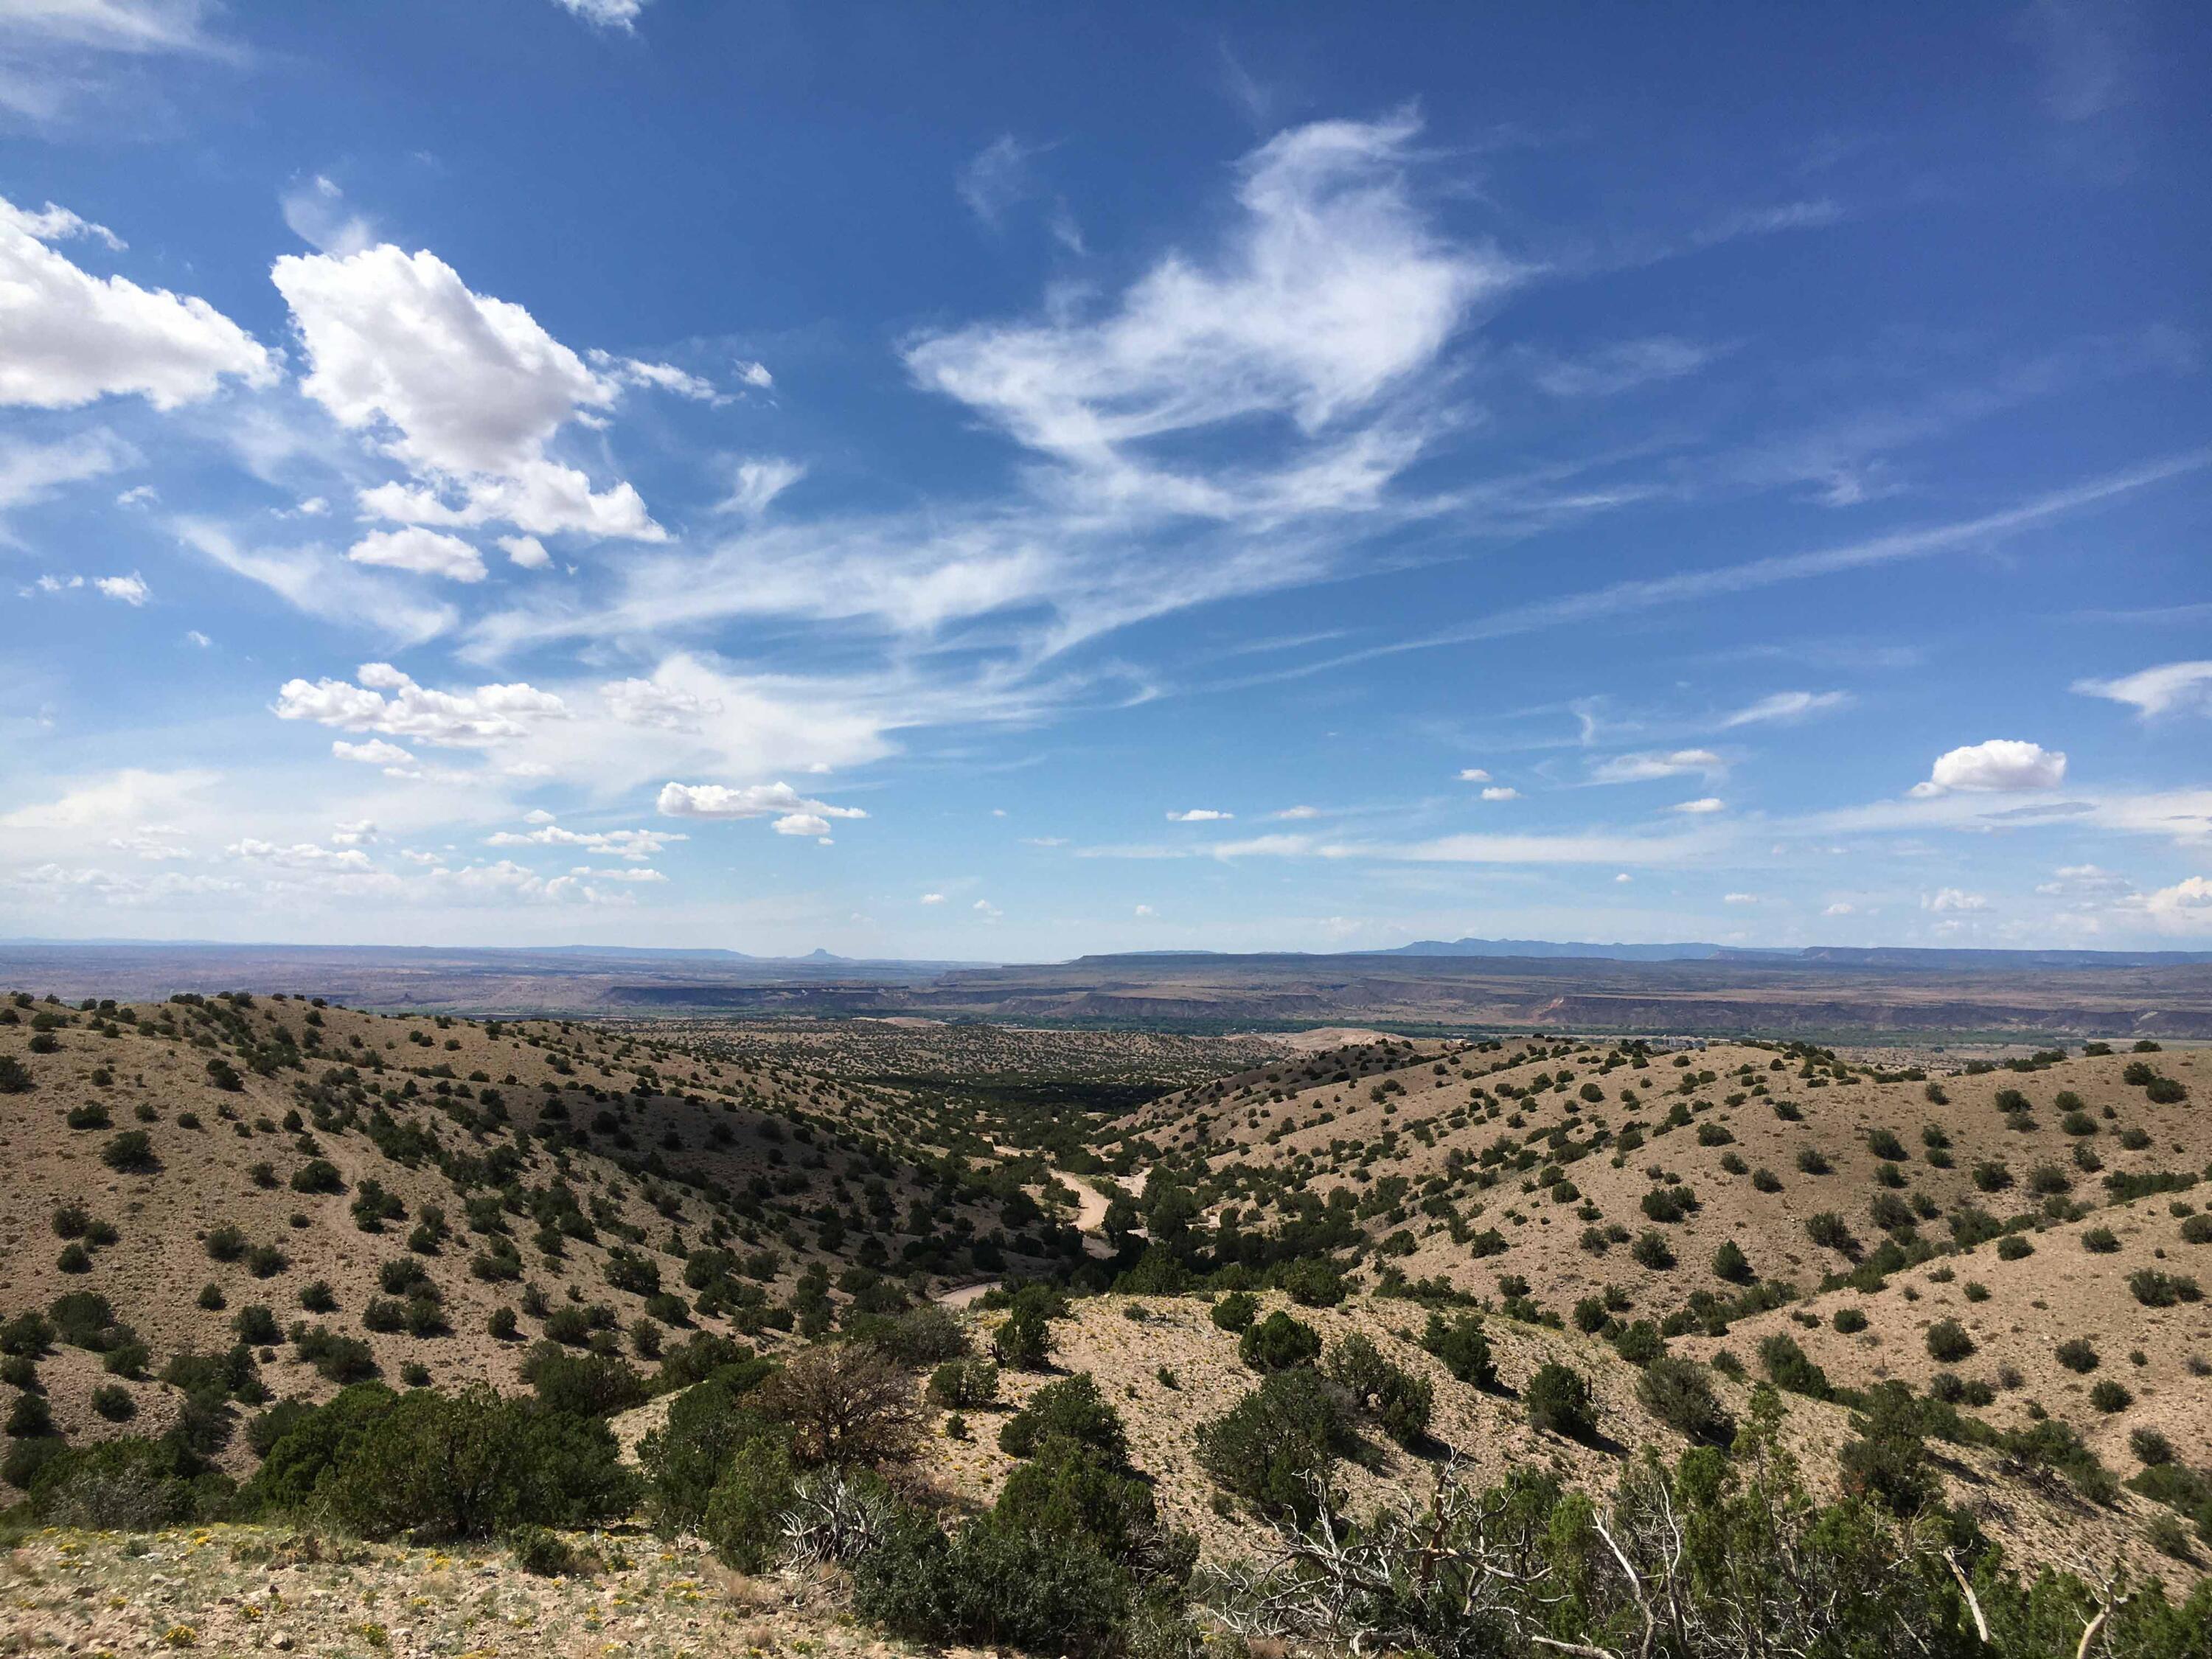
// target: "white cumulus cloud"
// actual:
[[2002, 765], [463, 389], [425, 552], [488, 714], [759, 800], [1952, 900], [1198, 815], [68, 337], [131, 590]]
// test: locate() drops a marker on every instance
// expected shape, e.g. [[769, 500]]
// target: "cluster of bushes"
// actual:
[[440, 1467], [1275, 1447]]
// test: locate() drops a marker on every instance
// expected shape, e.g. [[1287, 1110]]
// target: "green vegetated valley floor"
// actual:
[[336, 1332]]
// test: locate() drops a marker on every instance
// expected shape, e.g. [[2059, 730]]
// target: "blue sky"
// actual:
[[1001, 482]]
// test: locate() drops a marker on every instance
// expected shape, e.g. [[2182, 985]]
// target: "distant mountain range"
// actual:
[[1840, 955]]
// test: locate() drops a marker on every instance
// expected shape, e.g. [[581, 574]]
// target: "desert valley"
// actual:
[[785, 1284]]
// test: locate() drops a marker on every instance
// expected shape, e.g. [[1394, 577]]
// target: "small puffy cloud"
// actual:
[[1198, 815], [354, 833], [632, 844], [2083, 881], [1674, 763], [320, 583], [131, 590], [1786, 706], [1472, 775], [68, 337], [1840, 908], [425, 552], [755, 375], [490, 714], [2185, 907], [526, 552], [1739, 898], [930, 898], [801, 823], [986, 909], [757, 482], [756, 800], [1703, 805], [1501, 792], [194, 637], [2170, 688], [465, 389], [1952, 900], [606, 14], [302, 855], [639, 875], [1147, 910], [374, 752], [1299, 812], [2002, 765], [1623, 879]]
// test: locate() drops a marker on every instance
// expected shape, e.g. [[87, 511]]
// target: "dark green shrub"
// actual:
[[2076, 1353], [130, 1153], [582, 1385], [1315, 1282], [1948, 1342], [741, 1515], [1273, 1446], [1465, 1350], [2101, 1241], [1679, 1394], [1400, 1403], [1558, 1400], [989, 1587], [1888, 1463], [1829, 1230], [708, 1425], [472, 1465], [963, 1384], [1074, 1410], [2154, 1289], [2109, 1396], [255, 1324], [1786, 1364], [1278, 1342], [1236, 1311], [114, 1402]]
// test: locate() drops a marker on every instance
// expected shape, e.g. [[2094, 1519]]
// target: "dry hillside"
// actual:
[[402, 1180]]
